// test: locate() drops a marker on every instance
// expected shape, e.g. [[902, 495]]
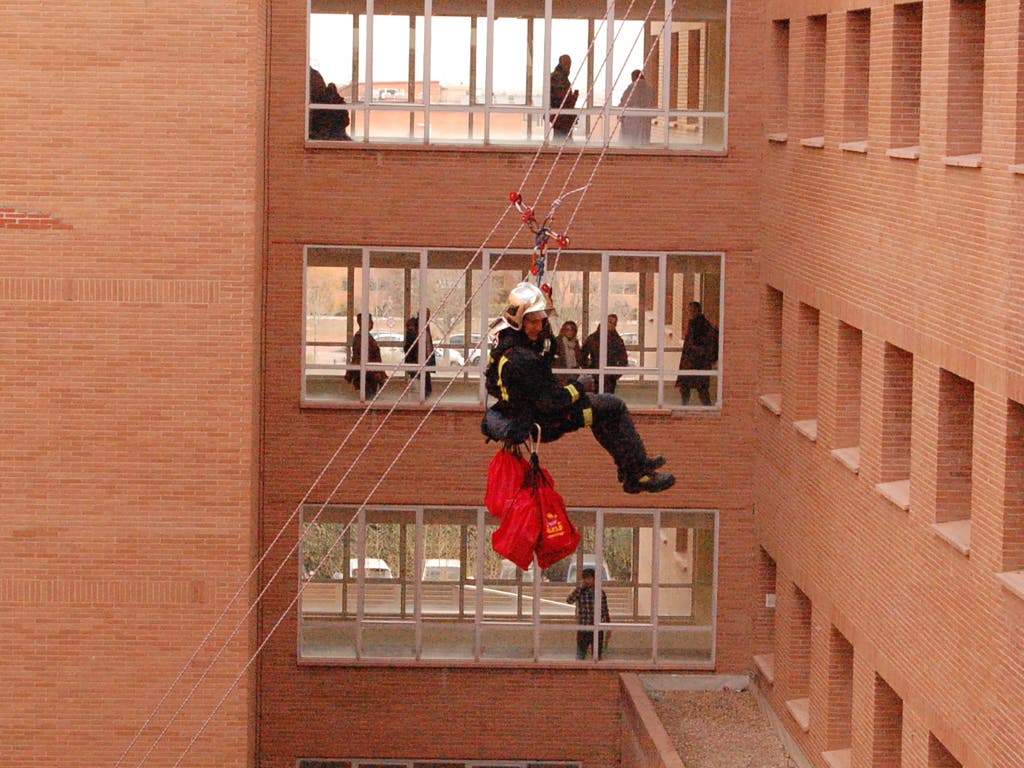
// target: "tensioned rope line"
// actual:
[[317, 480], [278, 536], [620, 112], [564, 192]]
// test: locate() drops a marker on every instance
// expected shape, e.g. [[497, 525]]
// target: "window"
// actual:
[[954, 458], [1013, 495], [856, 75], [805, 373], [1018, 157], [897, 400], [459, 293], [849, 351], [764, 619], [839, 719], [939, 756], [798, 657], [966, 78], [771, 350], [479, 73], [778, 106], [658, 575], [886, 726], [814, 77], [906, 76]]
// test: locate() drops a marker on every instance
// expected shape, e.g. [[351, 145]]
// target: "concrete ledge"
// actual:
[[956, 533], [1012, 581], [963, 161], [778, 138], [765, 663], [814, 142], [904, 153], [808, 428], [772, 402], [838, 758], [643, 740], [800, 710], [848, 457], [897, 492], [860, 147]]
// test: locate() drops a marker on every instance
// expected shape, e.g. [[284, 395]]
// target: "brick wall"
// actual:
[[913, 256], [431, 197], [131, 229]]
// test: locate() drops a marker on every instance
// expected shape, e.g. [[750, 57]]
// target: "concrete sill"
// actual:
[[848, 457], [800, 709], [765, 664], [1018, 169], [815, 142], [860, 147], [838, 758], [956, 533], [778, 138], [898, 492], [772, 402], [904, 153], [808, 428], [963, 161], [1011, 580]]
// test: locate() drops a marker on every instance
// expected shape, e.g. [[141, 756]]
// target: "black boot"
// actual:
[[655, 482]]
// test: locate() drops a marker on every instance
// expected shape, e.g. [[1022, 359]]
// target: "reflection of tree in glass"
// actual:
[[321, 293], [315, 546]]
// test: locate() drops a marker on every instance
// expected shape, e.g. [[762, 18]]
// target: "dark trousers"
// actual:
[[614, 429], [585, 642], [701, 384]]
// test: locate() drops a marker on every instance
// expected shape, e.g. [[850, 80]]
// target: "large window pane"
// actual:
[[401, 583], [475, 70]]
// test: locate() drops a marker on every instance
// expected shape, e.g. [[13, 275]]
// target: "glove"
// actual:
[[586, 383]]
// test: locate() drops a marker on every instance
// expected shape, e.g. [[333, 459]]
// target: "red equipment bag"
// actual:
[[520, 529], [517, 536], [559, 538], [505, 477]]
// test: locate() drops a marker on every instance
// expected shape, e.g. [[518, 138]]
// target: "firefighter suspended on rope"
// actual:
[[519, 374]]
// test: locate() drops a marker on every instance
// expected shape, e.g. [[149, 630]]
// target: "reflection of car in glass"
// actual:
[[440, 569], [509, 570], [589, 561], [375, 569], [453, 351], [391, 346]]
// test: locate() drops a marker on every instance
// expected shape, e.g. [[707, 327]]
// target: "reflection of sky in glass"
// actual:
[[331, 53]]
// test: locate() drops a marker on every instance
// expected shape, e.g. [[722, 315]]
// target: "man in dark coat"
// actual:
[[617, 355], [700, 352], [519, 375], [562, 98]]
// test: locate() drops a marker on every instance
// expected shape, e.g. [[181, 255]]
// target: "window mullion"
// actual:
[[428, 18]]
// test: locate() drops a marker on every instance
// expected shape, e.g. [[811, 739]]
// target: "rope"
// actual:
[[322, 474]]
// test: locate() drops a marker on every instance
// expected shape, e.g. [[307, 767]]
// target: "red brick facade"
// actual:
[[154, 444]]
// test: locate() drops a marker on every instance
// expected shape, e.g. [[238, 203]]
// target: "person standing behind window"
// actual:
[[638, 95], [562, 98], [583, 598], [568, 353], [700, 352], [373, 378], [412, 348], [617, 355]]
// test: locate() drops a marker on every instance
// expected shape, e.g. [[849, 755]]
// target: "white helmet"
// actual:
[[522, 300]]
